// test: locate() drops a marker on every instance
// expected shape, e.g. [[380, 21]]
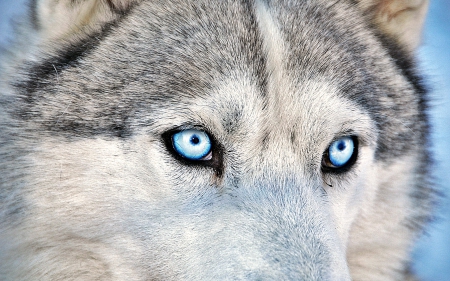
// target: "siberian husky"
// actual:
[[213, 140]]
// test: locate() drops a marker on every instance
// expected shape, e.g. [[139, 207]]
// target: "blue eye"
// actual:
[[341, 151], [192, 144]]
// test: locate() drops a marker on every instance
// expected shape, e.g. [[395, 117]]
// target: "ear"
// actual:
[[400, 19], [65, 19]]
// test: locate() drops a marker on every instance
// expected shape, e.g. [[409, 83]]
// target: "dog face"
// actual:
[[194, 141]]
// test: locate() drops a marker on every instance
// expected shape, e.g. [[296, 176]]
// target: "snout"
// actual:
[[258, 230], [293, 233]]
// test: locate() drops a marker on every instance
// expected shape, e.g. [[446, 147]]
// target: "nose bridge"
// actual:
[[282, 155], [293, 227]]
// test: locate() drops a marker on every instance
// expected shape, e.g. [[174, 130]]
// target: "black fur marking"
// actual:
[[67, 57], [232, 121], [407, 67], [265, 140], [293, 137], [37, 87]]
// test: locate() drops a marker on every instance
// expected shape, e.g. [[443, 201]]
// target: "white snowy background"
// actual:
[[432, 255]]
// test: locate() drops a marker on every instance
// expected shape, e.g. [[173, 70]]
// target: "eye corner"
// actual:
[[327, 165]]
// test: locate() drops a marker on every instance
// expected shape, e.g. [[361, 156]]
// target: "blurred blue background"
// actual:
[[432, 255]]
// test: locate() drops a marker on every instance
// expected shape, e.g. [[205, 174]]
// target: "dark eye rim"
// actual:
[[329, 168], [216, 150]]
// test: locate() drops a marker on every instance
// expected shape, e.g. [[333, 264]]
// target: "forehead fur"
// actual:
[[164, 56]]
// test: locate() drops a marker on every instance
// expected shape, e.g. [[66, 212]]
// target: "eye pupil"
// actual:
[[195, 140], [341, 146]]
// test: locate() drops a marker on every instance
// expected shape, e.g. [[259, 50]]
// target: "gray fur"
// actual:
[[90, 189]]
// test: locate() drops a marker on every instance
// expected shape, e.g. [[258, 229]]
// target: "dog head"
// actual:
[[207, 141]]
